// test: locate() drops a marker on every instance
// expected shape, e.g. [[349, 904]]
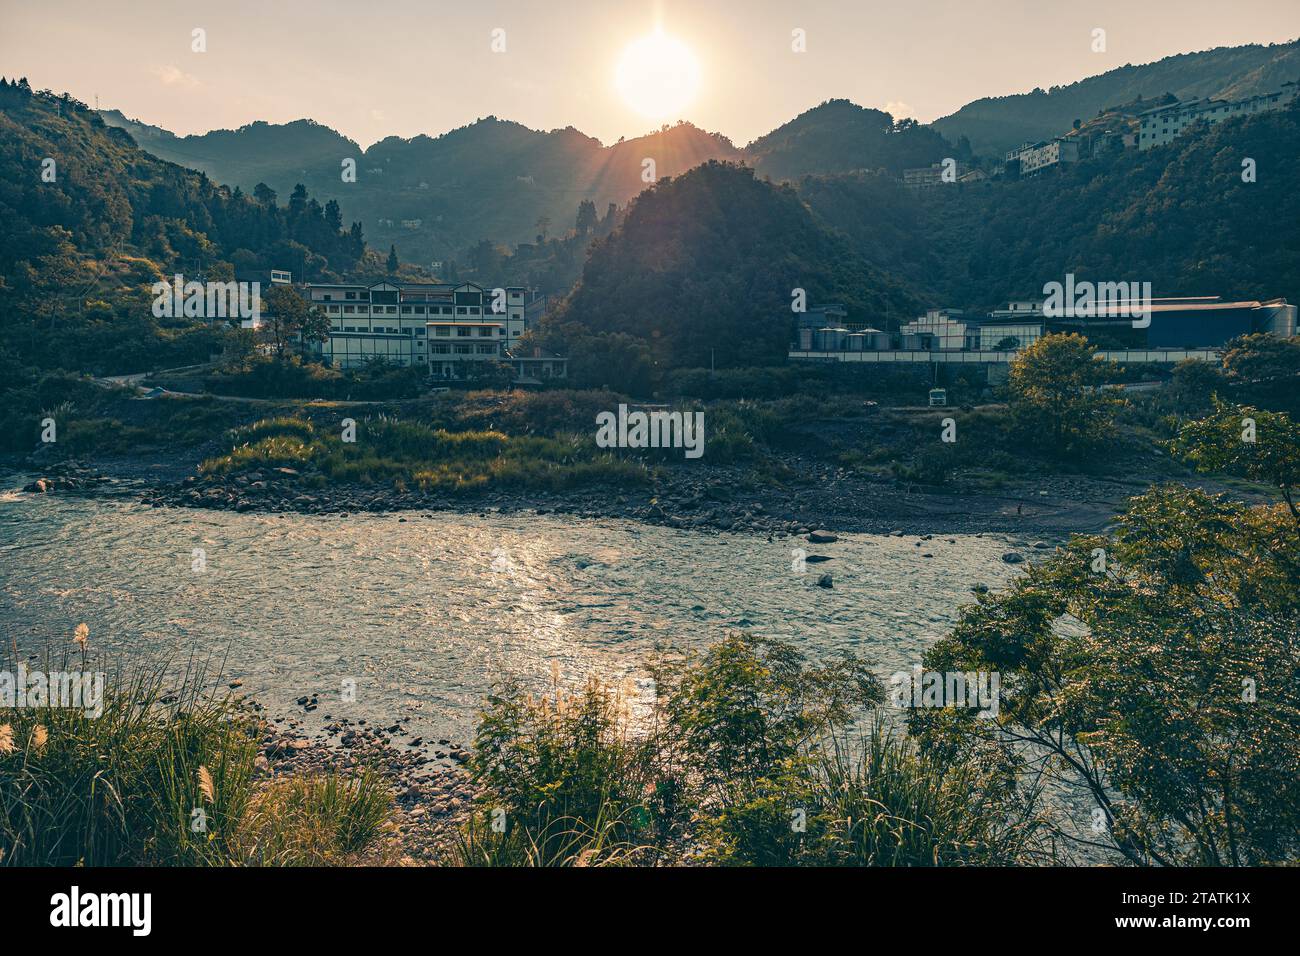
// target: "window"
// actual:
[[419, 331], [464, 350], [485, 331], [442, 330], [441, 348], [462, 332], [349, 309], [406, 310], [487, 350], [462, 310]]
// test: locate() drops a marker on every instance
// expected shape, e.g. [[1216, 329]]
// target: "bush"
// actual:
[[742, 745], [566, 777]]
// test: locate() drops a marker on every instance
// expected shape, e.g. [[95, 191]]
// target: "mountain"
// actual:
[[839, 136], [433, 197], [994, 125], [85, 237], [704, 268], [1179, 217]]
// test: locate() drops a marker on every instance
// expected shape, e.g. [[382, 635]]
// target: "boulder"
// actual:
[[1011, 557], [822, 537]]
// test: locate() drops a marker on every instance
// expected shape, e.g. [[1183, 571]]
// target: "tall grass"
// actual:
[[163, 777]]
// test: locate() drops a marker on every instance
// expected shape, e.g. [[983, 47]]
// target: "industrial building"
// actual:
[[1180, 328]]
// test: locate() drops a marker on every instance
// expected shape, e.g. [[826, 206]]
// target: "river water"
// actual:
[[424, 614]]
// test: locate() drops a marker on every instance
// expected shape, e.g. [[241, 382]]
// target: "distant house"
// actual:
[[924, 177]]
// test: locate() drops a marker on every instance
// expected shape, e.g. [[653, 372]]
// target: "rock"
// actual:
[[1041, 546], [40, 486], [825, 581], [1011, 557], [816, 558], [822, 537]]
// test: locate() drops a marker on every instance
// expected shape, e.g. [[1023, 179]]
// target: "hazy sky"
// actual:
[[401, 67]]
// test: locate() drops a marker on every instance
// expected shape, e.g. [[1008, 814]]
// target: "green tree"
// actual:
[[1254, 444], [587, 217], [287, 315], [1058, 399], [392, 260], [1154, 669]]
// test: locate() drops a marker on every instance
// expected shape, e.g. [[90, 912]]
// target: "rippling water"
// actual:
[[425, 613]]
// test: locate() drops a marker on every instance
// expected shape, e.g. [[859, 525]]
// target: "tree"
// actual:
[[1191, 388], [1264, 370], [288, 315], [543, 225], [392, 260], [264, 194], [587, 217], [1155, 670], [1059, 402], [1254, 444]]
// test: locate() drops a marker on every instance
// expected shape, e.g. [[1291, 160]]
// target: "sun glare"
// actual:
[[658, 76]]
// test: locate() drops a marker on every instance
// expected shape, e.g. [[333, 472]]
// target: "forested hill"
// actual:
[[1179, 216], [840, 136], [434, 197], [708, 261], [996, 124], [701, 268], [85, 236]]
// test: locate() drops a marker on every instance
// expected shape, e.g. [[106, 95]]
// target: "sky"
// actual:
[[404, 67]]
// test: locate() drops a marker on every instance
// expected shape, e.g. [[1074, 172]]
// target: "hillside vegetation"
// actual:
[[995, 124]]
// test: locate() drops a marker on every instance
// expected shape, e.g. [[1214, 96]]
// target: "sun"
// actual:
[[658, 76]]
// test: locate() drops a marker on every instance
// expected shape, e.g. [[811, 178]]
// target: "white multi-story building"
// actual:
[[1164, 123], [1035, 157], [942, 329], [407, 323]]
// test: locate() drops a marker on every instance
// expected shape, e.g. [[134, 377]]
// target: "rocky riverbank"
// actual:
[[704, 498], [432, 791]]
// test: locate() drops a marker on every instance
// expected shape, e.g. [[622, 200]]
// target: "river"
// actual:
[[425, 613]]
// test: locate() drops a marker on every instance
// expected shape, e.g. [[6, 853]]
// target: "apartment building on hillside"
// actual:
[[1165, 123]]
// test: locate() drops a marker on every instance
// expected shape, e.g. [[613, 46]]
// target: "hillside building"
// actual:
[[1163, 124], [1033, 158]]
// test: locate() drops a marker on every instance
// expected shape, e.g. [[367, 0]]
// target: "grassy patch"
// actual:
[[164, 778], [414, 455]]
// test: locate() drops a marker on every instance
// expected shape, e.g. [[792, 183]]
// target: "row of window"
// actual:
[[442, 331]]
